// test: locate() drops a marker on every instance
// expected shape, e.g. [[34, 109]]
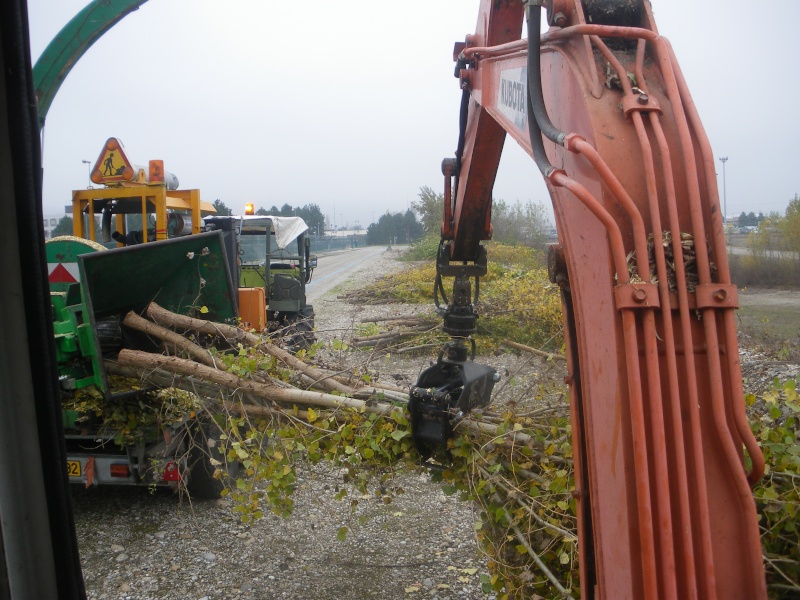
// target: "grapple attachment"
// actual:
[[445, 393]]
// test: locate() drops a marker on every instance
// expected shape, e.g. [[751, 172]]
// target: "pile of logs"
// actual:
[[187, 365]]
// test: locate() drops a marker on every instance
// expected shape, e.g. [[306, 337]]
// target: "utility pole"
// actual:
[[724, 159]]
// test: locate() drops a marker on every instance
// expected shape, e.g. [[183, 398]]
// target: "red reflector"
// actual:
[[120, 471], [171, 472]]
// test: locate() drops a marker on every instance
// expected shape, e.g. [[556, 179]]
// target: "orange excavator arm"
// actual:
[[665, 508]]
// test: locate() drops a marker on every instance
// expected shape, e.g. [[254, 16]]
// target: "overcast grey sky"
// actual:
[[352, 105]]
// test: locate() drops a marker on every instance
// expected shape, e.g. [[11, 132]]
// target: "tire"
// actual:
[[202, 484], [301, 329]]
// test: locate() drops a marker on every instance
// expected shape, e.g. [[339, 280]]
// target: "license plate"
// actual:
[[74, 468]]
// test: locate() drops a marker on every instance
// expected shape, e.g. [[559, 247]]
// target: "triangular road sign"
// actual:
[[112, 166]]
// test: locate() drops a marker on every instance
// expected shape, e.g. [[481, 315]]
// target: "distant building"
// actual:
[[50, 221]]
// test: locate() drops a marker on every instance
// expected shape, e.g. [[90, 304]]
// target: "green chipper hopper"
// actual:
[[92, 290]]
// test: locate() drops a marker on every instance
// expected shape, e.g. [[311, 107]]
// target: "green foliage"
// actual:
[[524, 224], [774, 250], [776, 425]]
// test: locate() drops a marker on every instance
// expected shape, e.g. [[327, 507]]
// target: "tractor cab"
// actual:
[[270, 258]]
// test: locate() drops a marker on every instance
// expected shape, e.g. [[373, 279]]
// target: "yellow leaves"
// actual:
[[312, 415]]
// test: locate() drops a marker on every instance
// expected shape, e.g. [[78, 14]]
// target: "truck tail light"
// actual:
[[120, 470]]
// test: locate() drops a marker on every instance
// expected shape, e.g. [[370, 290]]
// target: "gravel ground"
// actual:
[[142, 545]]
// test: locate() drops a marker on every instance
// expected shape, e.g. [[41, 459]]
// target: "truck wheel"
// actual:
[[303, 326], [202, 484]]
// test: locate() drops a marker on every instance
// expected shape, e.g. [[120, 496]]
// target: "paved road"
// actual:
[[337, 267]]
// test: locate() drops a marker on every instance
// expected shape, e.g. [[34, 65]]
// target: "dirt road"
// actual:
[[337, 267]]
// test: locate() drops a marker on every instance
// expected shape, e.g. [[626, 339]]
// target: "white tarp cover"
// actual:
[[286, 229]]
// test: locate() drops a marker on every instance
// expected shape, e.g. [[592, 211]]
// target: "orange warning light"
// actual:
[[156, 171], [249, 209]]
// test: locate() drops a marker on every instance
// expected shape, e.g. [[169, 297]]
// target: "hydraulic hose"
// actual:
[[533, 17], [462, 134], [535, 89], [537, 146]]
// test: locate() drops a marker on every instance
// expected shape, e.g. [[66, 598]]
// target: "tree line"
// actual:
[[515, 223], [310, 213], [397, 228]]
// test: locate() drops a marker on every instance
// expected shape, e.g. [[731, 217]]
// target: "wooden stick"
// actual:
[[134, 321], [547, 355]]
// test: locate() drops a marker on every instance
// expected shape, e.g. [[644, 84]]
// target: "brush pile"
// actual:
[[278, 410]]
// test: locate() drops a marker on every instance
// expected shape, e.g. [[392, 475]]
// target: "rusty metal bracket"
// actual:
[[717, 295], [640, 102], [636, 295]]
